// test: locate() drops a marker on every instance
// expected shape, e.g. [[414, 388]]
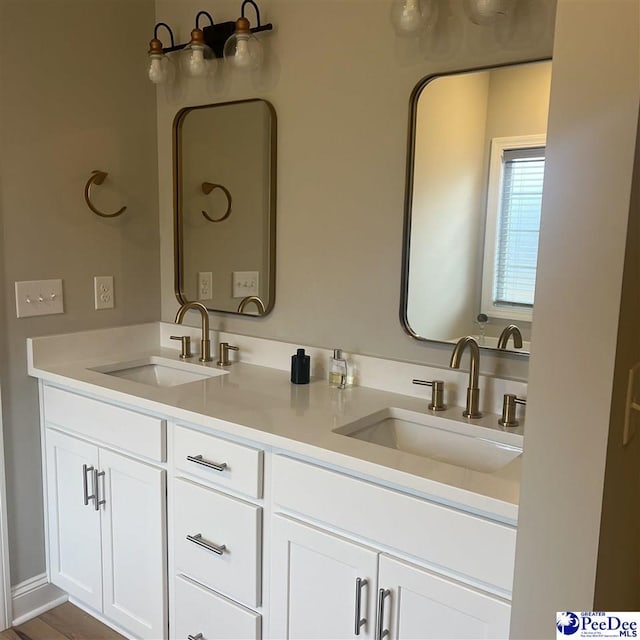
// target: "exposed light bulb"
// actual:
[[196, 64], [243, 50], [409, 17], [197, 56], [157, 71], [243, 57], [484, 12], [160, 69]]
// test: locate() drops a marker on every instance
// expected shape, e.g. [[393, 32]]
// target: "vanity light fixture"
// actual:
[[412, 17], [233, 40]]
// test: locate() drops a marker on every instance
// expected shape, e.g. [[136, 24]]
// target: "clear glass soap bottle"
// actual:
[[338, 370]]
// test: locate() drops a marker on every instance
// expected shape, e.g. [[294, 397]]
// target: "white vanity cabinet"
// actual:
[[106, 514], [204, 531], [216, 537], [415, 603], [320, 583], [326, 585]]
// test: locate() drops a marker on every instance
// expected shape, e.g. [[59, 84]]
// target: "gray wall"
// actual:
[[74, 98], [340, 82]]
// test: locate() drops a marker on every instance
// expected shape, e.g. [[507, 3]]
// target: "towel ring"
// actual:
[[97, 177], [207, 188]]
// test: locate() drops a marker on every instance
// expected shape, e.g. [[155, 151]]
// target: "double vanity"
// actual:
[[189, 500]]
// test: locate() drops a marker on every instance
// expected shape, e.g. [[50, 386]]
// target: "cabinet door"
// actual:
[[74, 527], [314, 591], [134, 548], [421, 606]]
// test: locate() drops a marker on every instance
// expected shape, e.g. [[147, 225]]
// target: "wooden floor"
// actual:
[[65, 622]]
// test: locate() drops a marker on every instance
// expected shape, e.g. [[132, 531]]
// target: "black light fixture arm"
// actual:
[[260, 26], [167, 27], [203, 13], [177, 47]]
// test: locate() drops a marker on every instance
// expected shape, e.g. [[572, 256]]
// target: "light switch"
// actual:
[[245, 283], [632, 408], [39, 298]]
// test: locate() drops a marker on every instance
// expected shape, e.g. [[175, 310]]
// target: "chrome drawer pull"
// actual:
[[205, 463], [209, 546], [381, 632], [96, 487], [85, 485], [359, 620], [198, 636]]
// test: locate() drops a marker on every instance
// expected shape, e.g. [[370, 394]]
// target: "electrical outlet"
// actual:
[[103, 292], [39, 298], [205, 285], [245, 283]]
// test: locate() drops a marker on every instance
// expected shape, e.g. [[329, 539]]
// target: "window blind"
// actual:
[[518, 226]]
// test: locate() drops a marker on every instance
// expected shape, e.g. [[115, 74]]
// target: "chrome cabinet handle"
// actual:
[[96, 487], [381, 632], [209, 546], [359, 620], [198, 636], [205, 463], [85, 485]]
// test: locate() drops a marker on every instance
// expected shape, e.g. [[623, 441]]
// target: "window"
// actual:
[[514, 200]]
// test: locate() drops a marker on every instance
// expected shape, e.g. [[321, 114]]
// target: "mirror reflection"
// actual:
[[474, 192], [225, 206]]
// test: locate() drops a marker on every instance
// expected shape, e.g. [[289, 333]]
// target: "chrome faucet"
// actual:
[[245, 301], [509, 331], [472, 409], [205, 342]]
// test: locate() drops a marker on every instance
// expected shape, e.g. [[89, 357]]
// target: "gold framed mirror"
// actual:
[[225, 206], [471, 221]]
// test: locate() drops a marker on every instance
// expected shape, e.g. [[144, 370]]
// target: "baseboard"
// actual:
[[33, 597]]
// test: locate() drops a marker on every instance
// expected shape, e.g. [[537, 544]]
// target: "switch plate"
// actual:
[[205, 285], [632, 408], [39, 298], [245, 283], [103, 292]]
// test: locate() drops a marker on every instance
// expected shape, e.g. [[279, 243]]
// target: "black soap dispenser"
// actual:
[[300, 366]]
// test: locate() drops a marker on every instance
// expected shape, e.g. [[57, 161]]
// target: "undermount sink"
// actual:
[[159, 372], [443, 439]]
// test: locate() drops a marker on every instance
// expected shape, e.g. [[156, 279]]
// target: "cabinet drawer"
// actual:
[[105, 423], [212, 519], [458, 541], [198, 610], [242, 470]]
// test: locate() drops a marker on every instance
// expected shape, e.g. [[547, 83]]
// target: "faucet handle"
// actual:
[[508, 418], [223, 354], [185, 342], [437, 393]]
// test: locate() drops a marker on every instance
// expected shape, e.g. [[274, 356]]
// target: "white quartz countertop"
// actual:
[[260, 404]]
